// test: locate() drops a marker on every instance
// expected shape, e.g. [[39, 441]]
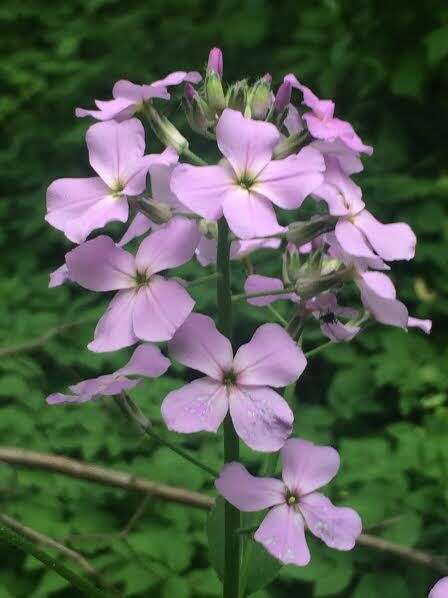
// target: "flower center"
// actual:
[[229, 378], [246, 181], [290, 498], [141, 278], [117, 188]]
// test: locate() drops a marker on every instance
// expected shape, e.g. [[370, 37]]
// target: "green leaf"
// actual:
[[437, 45], [176, 587]]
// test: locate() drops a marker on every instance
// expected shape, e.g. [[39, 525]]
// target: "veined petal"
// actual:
[[271, 358], [261, 417], [199, 345], [115, 330], [147, 360], [249, 215], [247, 492], [306, 466], [200, 405], [394, 241], [282, 533]]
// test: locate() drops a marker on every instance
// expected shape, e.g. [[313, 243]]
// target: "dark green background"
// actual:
[[381, 400]]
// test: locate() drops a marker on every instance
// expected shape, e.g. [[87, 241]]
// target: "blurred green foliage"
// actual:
[[382, 400]]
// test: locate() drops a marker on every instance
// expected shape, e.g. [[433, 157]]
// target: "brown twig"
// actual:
[[118, 479]]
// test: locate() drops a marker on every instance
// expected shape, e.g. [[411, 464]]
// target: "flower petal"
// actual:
[[261, 417], [378, 296], [118, 109], [160, 307], [247, 144], [352, 240], [199, 345], [337, 527], [307, 466], [139, 226], [160, 173], [339, 332], [93, 388], [200, 405], [247, 492], [288, 182], [282, 533], [147, 360], [440, 590], [99, 265], [202, 188], [341, 194], [424, 325], [59, 276], [394, 241], [347, 158], [263, 284], [249, 214], [168, 247], [115, 329], [271, 358]]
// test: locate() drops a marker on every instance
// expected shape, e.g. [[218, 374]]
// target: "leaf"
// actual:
[[176, 587], [437, 45]]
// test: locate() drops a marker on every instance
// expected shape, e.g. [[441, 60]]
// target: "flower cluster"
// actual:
[[274, 154]]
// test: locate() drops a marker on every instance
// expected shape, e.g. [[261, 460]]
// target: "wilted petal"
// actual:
[[288, 182], [247, 492], [282, 533], [99, 265], [270, 358], [202, 188], [147, 360], [160, 307], [424, 325], [440, 590], [199, 345], [379, 298], [200, 405], [306, 466], [261, 417], [263, 284], [394, 241], [115, 329], [338, 527], [168, 247], [247, 144], [139, 226], [249, 214]]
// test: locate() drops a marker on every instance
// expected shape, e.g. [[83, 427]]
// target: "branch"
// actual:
[[126, 481], [41, 340]]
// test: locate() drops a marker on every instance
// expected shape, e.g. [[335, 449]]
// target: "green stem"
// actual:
[[262, 294], [232, 520], [203, 279], [12, 537], [318, 349], [275, 313], [193, 158]]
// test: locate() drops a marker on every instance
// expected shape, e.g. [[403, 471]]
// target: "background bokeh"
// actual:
[[382, 400]]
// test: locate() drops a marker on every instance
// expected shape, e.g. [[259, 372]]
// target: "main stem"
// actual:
[[231, 444]]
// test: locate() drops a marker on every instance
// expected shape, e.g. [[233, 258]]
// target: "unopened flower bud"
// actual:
[[214, 92], [282, 97], [165, 130], [302, 232], [237, 96], [196, 112], [308, 286], [209, 228], [260, 99], [289, 145], [215, 62], [189, 92], [157, 212], [291, 264]]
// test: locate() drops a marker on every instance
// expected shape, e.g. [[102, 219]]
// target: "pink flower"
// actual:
[[440, 590], [129, 97], [116, 153], [147, 306], [215, 61], [295, 503], [239, 384], [358, 231], [147, 360], [321, 121], [244, 187]]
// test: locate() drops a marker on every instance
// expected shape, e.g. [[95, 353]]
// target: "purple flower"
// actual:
[[440, 590], [244, 186], [59, 276], [147, 360], [239, 384], [129, 97], [295, 503], [215, 62], [357, 230], [116, 153], [147, 306]]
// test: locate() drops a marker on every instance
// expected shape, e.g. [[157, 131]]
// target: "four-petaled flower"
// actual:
[[239, 384], [295, 503]]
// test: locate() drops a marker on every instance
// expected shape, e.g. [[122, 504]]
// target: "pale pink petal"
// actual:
[[337, 527], [59, 276], [247, 492], [93, 388], [440, 590], [306, 466], [202, 189], [147, 360], [239, 249], [199, 345], [348, 159], [379, 298], [282, 533], [342, 195], [390, 241], [288, 182], [249, 214], [271, 358], [246, 143], [160, 307], [128, 90], [352, 240], [178, 77], [293, 121], [99, 265], [263, 284], [118, 109], [206, 251], [424, 325], [139, 226], [168, 247], [261, 417], [199, 406], [160, 173], [115, 329], [339, 332]]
